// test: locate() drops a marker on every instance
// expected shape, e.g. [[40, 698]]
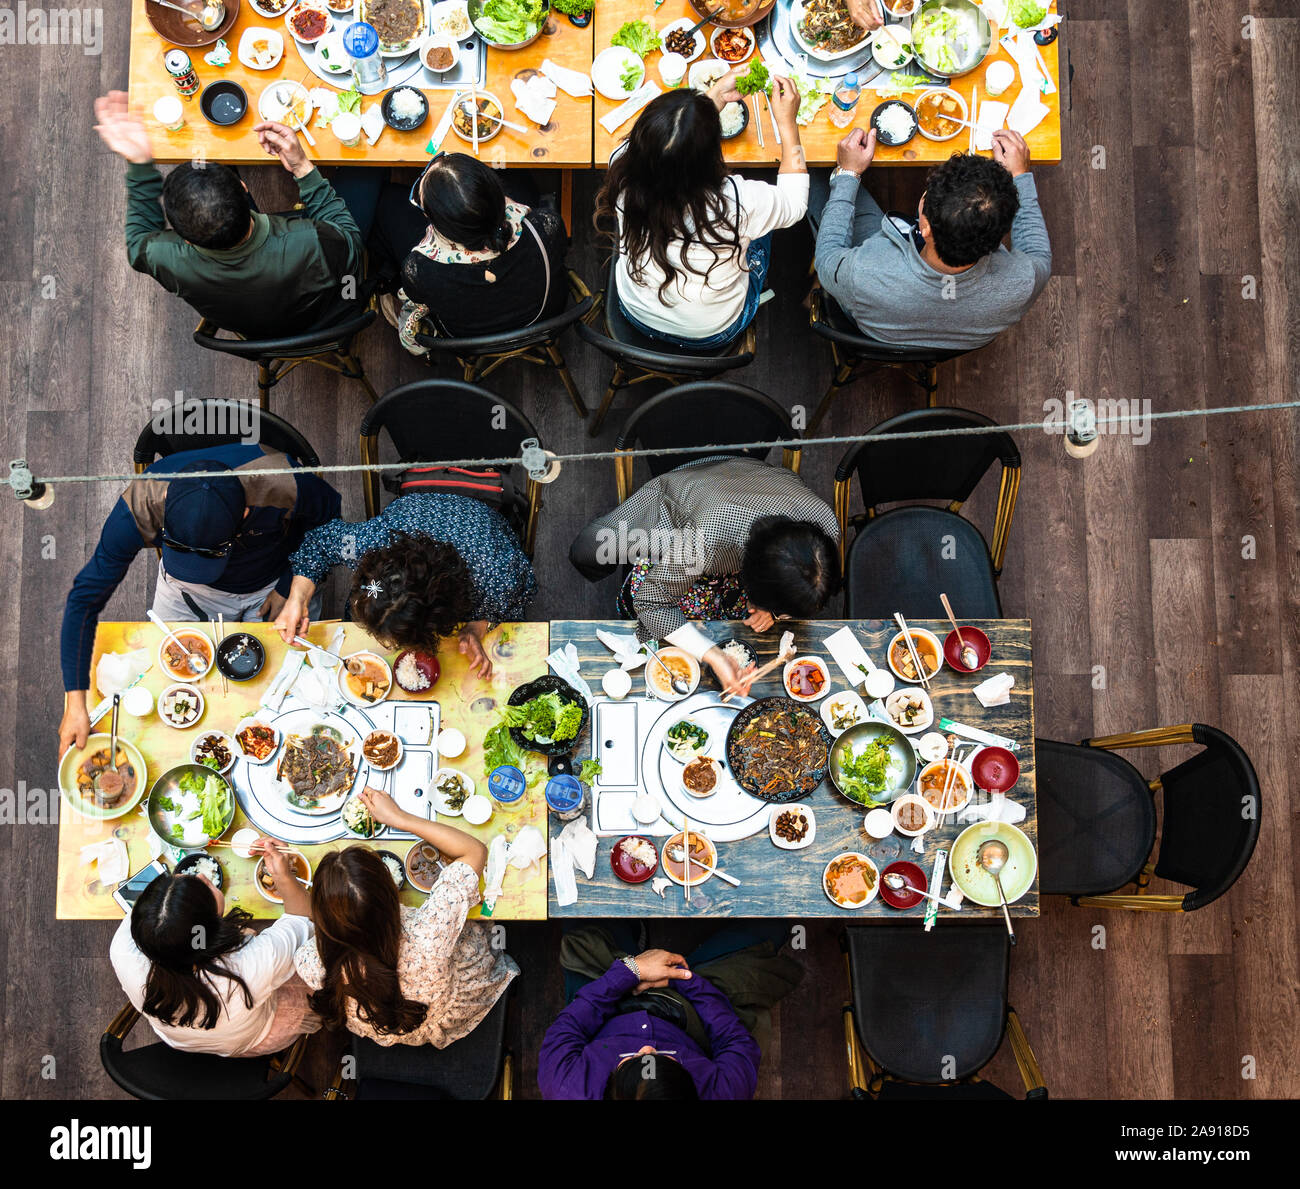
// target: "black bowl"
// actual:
[[880, 135], [386, 107], [744, 123], [400, 863], [240, 657], [223, 103], [813, 777], [192, 859], [534, 689]]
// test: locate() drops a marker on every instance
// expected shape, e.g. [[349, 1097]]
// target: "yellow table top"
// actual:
[[518, 652]]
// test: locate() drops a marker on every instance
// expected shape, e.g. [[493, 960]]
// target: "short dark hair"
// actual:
[[422, 590], [790, 567], [970, 202], [463, 200], [664, 1080], [207, 205]]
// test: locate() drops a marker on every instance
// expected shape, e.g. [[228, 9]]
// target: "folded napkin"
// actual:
[[494, 875], [996, 691], [629, 107], [992, 114], [1027, 112], [114, 865], [581, 842], [571, 82], [849, 654], [628, 650], [535, 97], [116, 670], [290, 667], [566, 887], [1000, 809], [565, 663], [372, 123]]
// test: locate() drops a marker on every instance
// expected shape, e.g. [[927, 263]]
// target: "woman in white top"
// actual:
[[204, 981], [693, 240]]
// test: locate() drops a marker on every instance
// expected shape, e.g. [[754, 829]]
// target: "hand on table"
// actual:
[[856, 151], [866, 14], [658, 968], [1011, 151], [74, 729], [381, 806], [472, 647], [759, 621], [122, 129], [281, 141], [293, 619]]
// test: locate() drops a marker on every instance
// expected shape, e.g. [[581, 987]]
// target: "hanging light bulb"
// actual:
[[35, 495]]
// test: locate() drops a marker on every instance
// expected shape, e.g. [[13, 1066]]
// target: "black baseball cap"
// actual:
[[201, 519]]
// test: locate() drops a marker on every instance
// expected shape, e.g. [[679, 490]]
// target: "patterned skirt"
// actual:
[[720, 597]]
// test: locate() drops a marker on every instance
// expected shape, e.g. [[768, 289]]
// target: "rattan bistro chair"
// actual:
[[638, 358], [448, 419], [927, 1012], [706, 413], [329, 347], [853, 354], [476, 1067], [1097, 819], [157, 1072], [902, 558], [273, 432], [540, 344]]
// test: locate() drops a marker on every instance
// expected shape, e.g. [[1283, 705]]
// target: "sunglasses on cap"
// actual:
[[213, 551]]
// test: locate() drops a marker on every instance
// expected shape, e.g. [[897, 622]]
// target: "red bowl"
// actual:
[[995, 769], [904, 899], [973, 637], [627, 870]]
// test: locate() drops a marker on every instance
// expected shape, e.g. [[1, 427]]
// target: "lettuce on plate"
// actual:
[[638, 36], [510, 21]]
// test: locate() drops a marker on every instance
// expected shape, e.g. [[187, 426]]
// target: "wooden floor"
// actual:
[[1159, 577]]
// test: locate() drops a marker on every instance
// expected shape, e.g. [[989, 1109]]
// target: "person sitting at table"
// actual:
[[264, 276], [475, 249], [660, 1026], [428, 566], [694, 241], [202, 978], [395, 974], [745, 540], [225, 534], [943, 280]]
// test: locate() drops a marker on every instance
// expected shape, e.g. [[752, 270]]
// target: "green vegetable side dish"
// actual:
[[866, 773], [589, 771], [1026, 13], [631, 76], [686, 739], [547, 718], [637, 36], [574, 8], [755, 79], [508, 22]]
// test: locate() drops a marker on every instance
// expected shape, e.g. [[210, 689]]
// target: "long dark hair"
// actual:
[[358, 934], [464, 202], [419, 590], [175, 924], [667, 184]]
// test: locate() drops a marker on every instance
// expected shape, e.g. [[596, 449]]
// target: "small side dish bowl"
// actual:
[[806, 679], [794, 819]]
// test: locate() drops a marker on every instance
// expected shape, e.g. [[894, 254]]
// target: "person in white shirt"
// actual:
[[694, 241], [204, 981]]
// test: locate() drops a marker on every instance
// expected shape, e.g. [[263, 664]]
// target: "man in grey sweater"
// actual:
[[945, 281]]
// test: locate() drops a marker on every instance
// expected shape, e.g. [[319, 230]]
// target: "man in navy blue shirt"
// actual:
[[226, 534]]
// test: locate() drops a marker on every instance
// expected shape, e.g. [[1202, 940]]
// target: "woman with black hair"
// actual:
[[427, 567], [693, 240], [205, 981], [472, 256]]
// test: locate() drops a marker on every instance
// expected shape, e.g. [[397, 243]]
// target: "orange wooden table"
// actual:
[[820, 137], [565, 141]]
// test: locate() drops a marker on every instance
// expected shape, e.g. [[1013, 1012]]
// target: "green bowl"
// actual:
[[977, 884]]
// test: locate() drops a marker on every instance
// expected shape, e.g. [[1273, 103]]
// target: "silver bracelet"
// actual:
[[630, 963]]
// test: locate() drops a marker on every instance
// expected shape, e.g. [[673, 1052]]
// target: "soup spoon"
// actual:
[[198, 665], [992, 856], [678, 855], [109, 782], [969, 657], [678, 684], [210, 16], [898, 884]]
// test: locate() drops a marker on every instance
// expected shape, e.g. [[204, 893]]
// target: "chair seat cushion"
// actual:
[[902, 559], [1096, 819], [920, 998], [159, 1072]]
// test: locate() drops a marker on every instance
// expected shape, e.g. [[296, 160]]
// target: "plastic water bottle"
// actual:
[[844, 101], [361, 43]]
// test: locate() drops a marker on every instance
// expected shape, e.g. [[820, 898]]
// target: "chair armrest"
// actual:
[[1153, 737], [122, 1023]]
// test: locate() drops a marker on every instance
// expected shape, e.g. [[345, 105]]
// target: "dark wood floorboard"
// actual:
[[1174, 282]]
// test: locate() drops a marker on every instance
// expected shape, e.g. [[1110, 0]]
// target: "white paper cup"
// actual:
[[998, 77], [347, 127], [672, 69], [617, 683], [879, 823], [170, 113], [880, 683], [137, 702]]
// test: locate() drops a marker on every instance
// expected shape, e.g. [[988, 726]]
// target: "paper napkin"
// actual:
[[571, 82], [565, 663], [495, 873], [627, 649], [372, 123], [996, 691], [581, 842], [535, 98], [1027, 112], [566, 887], [110, 855], [627, 109], [848, 653], [992, 114], [1000, 809]]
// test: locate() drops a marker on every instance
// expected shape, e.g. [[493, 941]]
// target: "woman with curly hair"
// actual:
[[394, 974], [428, 566]]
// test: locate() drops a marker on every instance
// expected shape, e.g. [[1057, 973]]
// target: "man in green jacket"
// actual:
[[264, 276]]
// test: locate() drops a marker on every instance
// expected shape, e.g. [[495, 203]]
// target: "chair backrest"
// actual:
[[319, 341], [512, 340], [224, 422], [159, 1073], [706, 413], [946, 468], [1211, 821], [831, 322]]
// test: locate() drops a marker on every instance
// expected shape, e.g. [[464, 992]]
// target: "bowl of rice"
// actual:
[[895, 122], [734, 118], [416, 672], [201, 863], [634, 859], [396, 868], [404, 108]]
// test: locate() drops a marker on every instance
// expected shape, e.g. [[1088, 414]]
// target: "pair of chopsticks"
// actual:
[[911, 648], [974, 113], [686, 862], [781, 658], [758, 121], [221, 633]]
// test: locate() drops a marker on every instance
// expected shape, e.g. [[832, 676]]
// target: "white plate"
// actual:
[[926, 720], [875, 887], [684, 23], [275, 44], [244, 722], [345, 690], [231, 746], [352, 743], [607, 68], [804, 660], [270, 108], [702, 75], [271, 13], [438, 13], [436, 798], [331, 55], [809, 817], [302, 6], [694, 753], [846, 697], [796, 15]]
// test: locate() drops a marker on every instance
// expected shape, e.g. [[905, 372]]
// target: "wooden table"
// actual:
[[779, 883], [820, 137], [518, 652], [564, 142]]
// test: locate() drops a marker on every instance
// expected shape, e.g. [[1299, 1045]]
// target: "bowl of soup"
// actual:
[[806, 679], [928, 651], [946, 785], [365, 678], [681, 665], [851, 880], [298, 865], [173, 657]]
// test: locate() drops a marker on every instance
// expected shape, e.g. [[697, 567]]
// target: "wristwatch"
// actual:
[[840, 172], [630, 963]]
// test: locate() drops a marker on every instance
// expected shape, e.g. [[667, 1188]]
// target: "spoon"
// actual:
[[899, 884], [992, 856], [198, 665], [678, 684], [108, 784], [331, 660], [678, 855], [969, 657], [209, 17]]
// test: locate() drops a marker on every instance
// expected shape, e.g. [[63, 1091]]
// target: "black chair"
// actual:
[[930, 1009], [224, 423], [854, 354], [328, 346], [1097, 819], [705, 413], [158, 1073], [470, 1070], [900, 560], [638, 358], [450, 419], [540, 344]]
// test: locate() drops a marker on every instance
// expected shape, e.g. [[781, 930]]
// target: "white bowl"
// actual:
[[646, 809], [657, 681], [607, 70], [401, 750], [231, 746], [749, 36], [617, 683], [442, 12], [137, 702], [440, 39], [717, 777], [685, 23], [478, 809], [846, 699], [961, 101], [879, 683], [206, 650], [886, 45], [912, 799], [306, 4], [926, 719], [345, 688], [702, 75], [805, 811], [189, 691], [875, 887], [958, 794], [451, 742], [245, 722], [915, 633], [242, 839], [878, 823], [257, 882], [379, 826], [806, 660], [932, 746], [331, 56], [274, 47]]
